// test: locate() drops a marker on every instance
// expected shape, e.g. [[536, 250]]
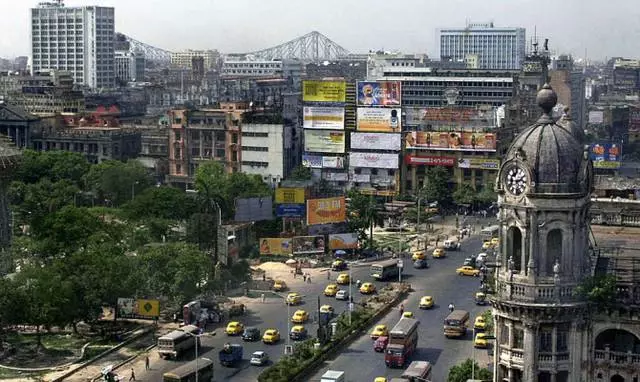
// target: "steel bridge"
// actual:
[[156, 55]]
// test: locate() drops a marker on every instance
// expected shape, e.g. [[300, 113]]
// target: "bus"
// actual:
[[385, 269], [455, 325], [490, 232], [173, 344], [418, 371], [187, 372]]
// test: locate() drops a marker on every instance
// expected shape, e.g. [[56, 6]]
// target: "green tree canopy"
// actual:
[[118, 182], [362, 214], [464, 194], [161, 202], [300, 173], [463, 372], [54, 165], [436, 187]]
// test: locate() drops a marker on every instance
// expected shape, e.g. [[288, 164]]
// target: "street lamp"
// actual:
[[133, 189], [350, 299]]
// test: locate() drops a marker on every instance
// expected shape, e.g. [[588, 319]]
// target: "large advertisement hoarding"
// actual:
[[606, 155], [138, 308], [470, 117], [333, 162], [379, 93], [327, 210], [327, 229], [308, 244], [343, 241], [254, 209], [454, 141], [596, 116], [324, 141], [319, 161], [315, 117], [323, 91], [276, 246], [373, 160], [634, 119], [479, 163], [290, 210], [289, 195], [379, 119], [430, 160], [376, 141]]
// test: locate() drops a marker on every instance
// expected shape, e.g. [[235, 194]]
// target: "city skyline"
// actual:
[[248, 25]]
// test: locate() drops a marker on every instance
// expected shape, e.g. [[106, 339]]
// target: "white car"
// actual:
[[259, 358], [482, 257], [342, 295]]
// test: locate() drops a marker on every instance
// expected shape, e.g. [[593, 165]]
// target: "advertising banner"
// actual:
[[376, 141], [430, 160], [312, 161], [606, 155], [634, 119], [254, 209], [343, 241], [308, 244], [324, 141], [373, 160], [323, 117], [479, 163], [454, 141], [379, 119], [138, 308], [453, 115], [276, 246], [361, 178], [327, 229], [596, 117], [327, 210], [290, 210], [323, 91], [332, 162], [379, 93], [289, 195], [336, 176]]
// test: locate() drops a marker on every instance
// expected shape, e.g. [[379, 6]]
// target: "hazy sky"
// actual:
[[604, 28]]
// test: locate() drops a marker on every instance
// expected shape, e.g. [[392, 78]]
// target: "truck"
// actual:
[[403, 340], [332, 376], [230, 354]]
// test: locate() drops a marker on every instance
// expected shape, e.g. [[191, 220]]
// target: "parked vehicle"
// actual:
[[230, 354], [174, 344], [403, 340]]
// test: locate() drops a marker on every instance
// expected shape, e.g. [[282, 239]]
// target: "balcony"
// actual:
[[512, 357], [551, 360], [614, 358], [546, 293]]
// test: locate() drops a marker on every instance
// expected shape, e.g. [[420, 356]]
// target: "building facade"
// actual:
[[79, 40], [17, 124], [267, 151], [250, 68], [184, 59], [129, 66], [488, 46]]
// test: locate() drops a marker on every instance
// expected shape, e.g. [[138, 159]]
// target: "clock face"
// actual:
[[516, 180]]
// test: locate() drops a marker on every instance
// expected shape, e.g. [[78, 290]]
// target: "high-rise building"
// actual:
[[486, 46], [79, 40], [129, 66], [184, 60]]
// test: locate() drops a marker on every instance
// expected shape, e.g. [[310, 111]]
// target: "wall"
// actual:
[[253, 162]]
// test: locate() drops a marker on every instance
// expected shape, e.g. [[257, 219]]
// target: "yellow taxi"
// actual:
[[300, 317], [407, 314], [234, 328], [367, 288], [380, 379], [379, 331], [480, 341], [487, 245], [438, 253], [418, 255], [426, 302], [298, 332], [331, 290], [294, 298], [271, 336], [338, 265], [326, 309], [495, 242], [343, 278], [279, 285], [468, 271], [480, 323]]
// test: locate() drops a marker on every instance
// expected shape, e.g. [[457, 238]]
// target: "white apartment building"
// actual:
[[251, 68], [184, 59], [266, 151], [129, 66], [495, 48], [79, 40]]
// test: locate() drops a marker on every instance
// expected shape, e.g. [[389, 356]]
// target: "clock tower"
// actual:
[[544, 186]]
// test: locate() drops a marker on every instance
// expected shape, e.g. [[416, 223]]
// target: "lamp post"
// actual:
[[133, 189], [350, 296]]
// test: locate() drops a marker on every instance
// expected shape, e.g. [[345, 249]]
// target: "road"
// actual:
[[441, 282]]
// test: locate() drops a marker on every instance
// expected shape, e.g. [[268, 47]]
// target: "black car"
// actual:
[[420, 264], [251, 334]]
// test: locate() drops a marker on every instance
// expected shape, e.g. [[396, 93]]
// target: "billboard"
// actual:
[[479, 163], [324, 141], [454, 141], [332, 162], [596, 117], [343, 241], [137, 308], [379, 93], [290, 210], [254, 209], [379, 119], [376, 141], [289, 195], [605, 155], [373, 160], [327, 210], [327, 229], [323, 117], [634, 119], [312, 161], [323, 91], [336, 176], [308, 244], [430, 160], [275, 246], [361, 178]]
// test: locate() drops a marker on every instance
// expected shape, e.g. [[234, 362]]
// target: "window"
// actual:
[[562, 339], [554, 250], [254, 148], [514, 247], [504, 334], [544, 376], [546, 340], [518, 338]]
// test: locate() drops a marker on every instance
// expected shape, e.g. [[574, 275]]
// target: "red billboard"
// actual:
[[430, 160]]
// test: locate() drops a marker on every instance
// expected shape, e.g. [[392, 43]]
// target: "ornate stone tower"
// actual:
[[9, 158], [544, 187]]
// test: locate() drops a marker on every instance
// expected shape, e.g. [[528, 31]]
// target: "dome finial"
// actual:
[[547, 98]]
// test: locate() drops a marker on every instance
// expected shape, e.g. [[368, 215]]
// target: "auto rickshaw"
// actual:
[[480, 298]]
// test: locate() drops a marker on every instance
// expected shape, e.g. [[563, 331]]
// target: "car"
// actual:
[[487, 245], [418, 255], [298, 333], [331, 290], [480, 323], [468, 271], [495, 242], [259, 358], [300, 317], [469, 261], [271, 336], [380, 344], [438, 253], [480, 341], [326, 309], [367, 288], [251, 334], [379, 331], [453, 245], [338, 265], [234, 328], [279, 285], [481, 257], [380, 379], [480, 298], [420, 264], [294, 299], [342, 295], [343, 278], [426, 302], [407, 314]]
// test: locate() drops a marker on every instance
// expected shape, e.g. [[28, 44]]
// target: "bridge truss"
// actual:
[[156, 55], [313, 47]]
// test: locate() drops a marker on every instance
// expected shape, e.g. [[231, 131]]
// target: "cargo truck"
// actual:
[[403, 340], [230, 354]]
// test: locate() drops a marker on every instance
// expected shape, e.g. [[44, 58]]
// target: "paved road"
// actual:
[[441, 282]]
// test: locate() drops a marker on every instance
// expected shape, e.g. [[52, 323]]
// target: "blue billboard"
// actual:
[[290, 210], [606, 155]]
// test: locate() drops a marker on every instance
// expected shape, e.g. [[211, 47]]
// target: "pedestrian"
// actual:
[[309, 278], [262, 297], [294, 274], [146, 363], [328, 275], [133, 375], [175, 318], [304, 277], [264, 276], [451, 307], [401, 310]]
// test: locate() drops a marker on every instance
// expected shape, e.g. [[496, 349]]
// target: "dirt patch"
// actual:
[[22, 350]]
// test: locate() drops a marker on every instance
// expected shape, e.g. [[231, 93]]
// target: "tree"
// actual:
[[436, 185], [463, 372], [362, 214], [161, 202], [487, 195], [55, 165], [118, 182], [300, 173], [600, 290], [464, 194]]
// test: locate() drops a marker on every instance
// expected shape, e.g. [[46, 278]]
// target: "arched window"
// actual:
[[514, 248], [554, 250]]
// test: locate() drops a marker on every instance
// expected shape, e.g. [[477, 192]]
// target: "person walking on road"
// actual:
[[133, 375], [304, 277], [451, 307], [401, 310], [146, 363]]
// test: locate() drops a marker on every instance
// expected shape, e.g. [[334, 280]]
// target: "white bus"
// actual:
[[174, 344], [490, 232]]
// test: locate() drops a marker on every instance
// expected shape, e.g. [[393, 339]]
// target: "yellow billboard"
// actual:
[[323, 91], [138, 308], [289, 195], [275, 246], [325, 211]]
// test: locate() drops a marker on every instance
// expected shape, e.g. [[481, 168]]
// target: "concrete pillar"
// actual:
[[414, 180], [530, 352]]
